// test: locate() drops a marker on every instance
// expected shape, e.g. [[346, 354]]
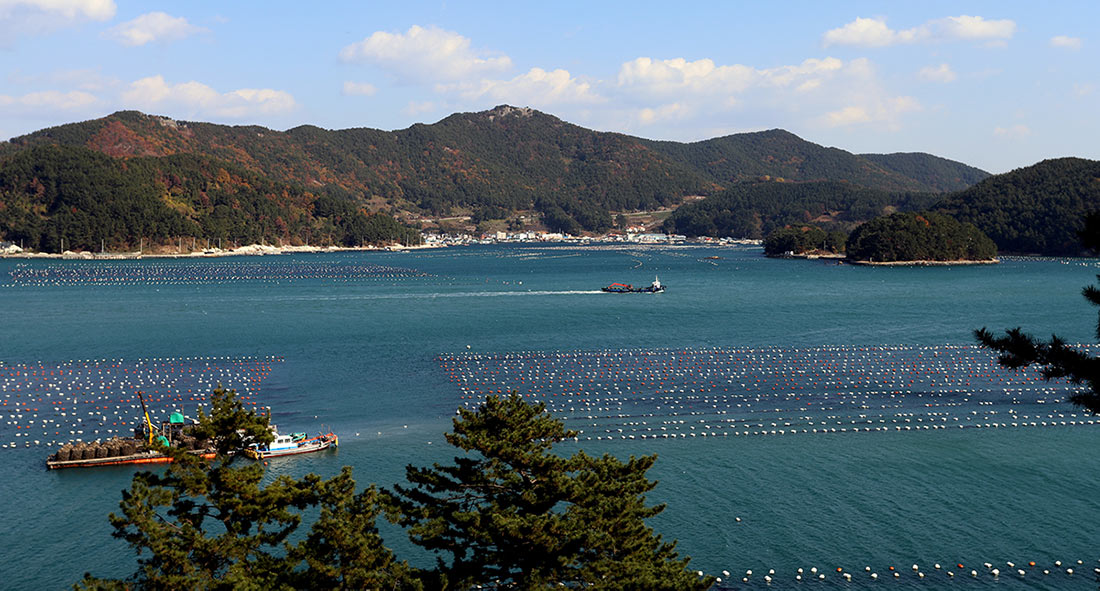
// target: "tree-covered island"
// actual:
[[919, 237], [899, 238]]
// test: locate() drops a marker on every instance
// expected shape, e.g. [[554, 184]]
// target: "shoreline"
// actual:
[[917, 263], [247, 250], [924, 263]]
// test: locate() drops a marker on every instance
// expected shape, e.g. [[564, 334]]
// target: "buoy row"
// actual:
[[676, 394], [1000, 571], [44, 404], [131, 272]]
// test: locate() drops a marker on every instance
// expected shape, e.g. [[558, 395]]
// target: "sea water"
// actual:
[[359, 343]]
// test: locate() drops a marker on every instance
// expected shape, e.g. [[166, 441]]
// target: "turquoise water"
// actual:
[[360, 351]]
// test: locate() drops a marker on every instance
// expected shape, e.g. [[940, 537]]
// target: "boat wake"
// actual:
[[489, 294], [435, 295]]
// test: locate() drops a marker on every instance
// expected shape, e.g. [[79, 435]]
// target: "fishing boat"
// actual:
[[293, 444], [654, 287]]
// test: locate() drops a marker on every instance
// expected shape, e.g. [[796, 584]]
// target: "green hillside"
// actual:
[[492, 163], [919, 236], [52, 193], [937, 174], [780, 154], [753, 210], [1038, 209]]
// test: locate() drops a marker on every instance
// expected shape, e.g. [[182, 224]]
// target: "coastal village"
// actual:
[[427, 240]]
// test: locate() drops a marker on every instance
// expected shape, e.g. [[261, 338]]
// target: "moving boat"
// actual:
[[293, 444], [654, 287]]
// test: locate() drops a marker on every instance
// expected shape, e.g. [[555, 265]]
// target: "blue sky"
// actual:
[[998, 85]]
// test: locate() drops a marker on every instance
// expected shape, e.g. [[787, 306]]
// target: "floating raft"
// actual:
[[51, 404], [115, 273], [142, 457], [681, 393]]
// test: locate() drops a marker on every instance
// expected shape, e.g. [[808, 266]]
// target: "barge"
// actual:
[[654, 287], [138, 449]]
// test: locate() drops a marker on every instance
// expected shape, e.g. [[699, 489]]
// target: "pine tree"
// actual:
[[1056, 358], [512, 514], [212, 525]]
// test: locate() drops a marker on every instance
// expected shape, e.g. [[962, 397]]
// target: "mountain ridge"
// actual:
[[498, 165], [309, 153]]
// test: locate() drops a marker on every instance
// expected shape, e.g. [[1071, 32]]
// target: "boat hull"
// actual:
[[633, 290], [139, 458]]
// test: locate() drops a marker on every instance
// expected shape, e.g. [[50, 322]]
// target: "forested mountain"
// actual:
[[49, 193], [1037, 209], [937, 174], [919, 236], [782, 155], [753, 210], [1034, 210], [497, 162]]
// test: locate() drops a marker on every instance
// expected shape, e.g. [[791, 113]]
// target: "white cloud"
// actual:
[[83, 79], [940, 73], [152, 26], [669, 112], [703, 77], [1066, 42], [537, 87], [418, 107], [661, 77], [195, 98], [880, 110], [847, 116], [424, 55], [359, 89], [874, 32], [1015, 131], [864, 32], [820, 91], [972, 28], [98, 10], [31, 17], [50, 100]]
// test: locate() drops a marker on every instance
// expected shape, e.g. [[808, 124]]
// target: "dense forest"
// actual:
[[506, 159], [937, 174], [779, 154], [1038, 209], [919, 236], [803, 239], [1034, 210], [90, 200], [753, 210]]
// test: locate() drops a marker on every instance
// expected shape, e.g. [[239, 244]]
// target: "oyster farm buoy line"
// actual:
[[668, 394], [49, 405]]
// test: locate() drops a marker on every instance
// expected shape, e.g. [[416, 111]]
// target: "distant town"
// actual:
[[427, 240]]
